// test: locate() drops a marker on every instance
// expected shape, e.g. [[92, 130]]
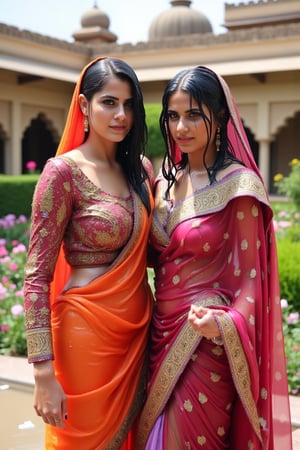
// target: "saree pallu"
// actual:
[[100, 336], [217, 249]]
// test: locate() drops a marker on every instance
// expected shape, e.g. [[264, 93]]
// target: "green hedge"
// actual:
[[289, 271], [16, 194], [155, 147]]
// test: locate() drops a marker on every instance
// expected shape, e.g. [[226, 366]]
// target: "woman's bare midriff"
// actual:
[[81, 276]]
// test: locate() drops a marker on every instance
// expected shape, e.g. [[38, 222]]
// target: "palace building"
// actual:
[[258, 54]]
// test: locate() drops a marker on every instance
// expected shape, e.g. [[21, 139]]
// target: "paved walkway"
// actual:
[[17, 370]]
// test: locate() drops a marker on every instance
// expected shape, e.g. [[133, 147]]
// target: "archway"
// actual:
[[284, 148], [39, 142]]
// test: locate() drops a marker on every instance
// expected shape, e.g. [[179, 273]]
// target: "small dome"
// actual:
[[94, 17], [179, 20], [95, 27]]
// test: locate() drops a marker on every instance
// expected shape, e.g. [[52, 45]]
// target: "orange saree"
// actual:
[[101, 332]]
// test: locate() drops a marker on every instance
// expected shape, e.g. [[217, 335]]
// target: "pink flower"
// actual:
[[3, 251], [17, 310], [284, 303], [284, 224], [31, 165], [292, 318], [295, 348], [4, 327], [19, 293], [20, 248], [5, 280], [13, 266], [3, 292], [282, 214]]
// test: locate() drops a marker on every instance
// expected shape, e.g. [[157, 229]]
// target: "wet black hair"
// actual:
[[131, 150], [203, 86]]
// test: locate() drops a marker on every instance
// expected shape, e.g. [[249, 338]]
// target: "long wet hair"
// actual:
[[131, 150], [203, 86]]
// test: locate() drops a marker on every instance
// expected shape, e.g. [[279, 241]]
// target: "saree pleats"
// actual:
[[101, 331]]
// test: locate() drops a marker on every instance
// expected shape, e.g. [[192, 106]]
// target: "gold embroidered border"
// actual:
[[116, 442], [39, 343], [239, 368], [241, 182], [169, 372]]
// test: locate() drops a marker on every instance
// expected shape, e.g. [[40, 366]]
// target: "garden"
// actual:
[[14, 238]]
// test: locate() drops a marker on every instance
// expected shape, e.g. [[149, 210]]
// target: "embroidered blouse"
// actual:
[[93, 226]]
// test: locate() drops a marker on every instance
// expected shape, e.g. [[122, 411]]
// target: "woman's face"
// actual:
[[187, 126], [110, 112]]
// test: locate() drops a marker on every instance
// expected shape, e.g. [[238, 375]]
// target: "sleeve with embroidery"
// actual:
[[51, 209]]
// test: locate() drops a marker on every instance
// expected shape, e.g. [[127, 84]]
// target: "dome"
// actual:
[[95, 27], [179, 20], [94, 17]]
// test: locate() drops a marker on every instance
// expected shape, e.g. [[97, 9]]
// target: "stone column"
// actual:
[[264, 161], [14, 155]]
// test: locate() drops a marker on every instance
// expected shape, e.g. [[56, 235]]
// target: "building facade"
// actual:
[[258, 55]]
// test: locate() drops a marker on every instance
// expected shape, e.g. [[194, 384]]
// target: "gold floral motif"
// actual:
[[176, 279], [221, 431], [215, 377], [251, 319], [253, 273], [217, 350], [279, 336], [188, 406], [201, 440], [254, 211], [244, 244], [264, 393], [240, 215], [206, 247], [202, 398]]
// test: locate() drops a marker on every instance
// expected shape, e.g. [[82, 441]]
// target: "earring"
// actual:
[[85, 124], [218, 139]]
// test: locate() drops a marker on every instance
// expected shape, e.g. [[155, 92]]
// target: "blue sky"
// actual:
[[129, 19]]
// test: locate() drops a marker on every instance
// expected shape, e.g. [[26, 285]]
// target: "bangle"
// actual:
[[217, 340]]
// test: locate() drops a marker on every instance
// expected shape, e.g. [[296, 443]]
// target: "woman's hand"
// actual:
[[50, 402], [203, 321]]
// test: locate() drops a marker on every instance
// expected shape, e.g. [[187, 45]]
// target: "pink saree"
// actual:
[[217, 248]]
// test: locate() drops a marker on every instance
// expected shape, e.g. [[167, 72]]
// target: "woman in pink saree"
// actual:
[[217, 364]]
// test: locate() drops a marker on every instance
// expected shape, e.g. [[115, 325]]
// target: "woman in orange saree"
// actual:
[[87, 299], [217, 365]]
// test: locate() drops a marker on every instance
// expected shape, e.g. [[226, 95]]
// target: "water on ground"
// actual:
[[20, 427]]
